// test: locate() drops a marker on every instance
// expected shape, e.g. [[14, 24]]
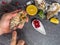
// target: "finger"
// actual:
[[14, 28], [21, 42], [15, 11], [21, 26], [12, 14], [14, 37], [27, 19]]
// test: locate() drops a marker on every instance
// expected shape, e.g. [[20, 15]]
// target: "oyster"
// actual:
[[53, 10], [19, 19], [40, 4]]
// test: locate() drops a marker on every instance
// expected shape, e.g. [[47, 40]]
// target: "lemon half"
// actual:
[[31, 10]]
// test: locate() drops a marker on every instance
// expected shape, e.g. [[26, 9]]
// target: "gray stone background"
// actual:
[[31, 36]]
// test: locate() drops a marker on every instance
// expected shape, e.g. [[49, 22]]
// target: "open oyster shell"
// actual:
[[19, 19], [53, 10], [40, 4]]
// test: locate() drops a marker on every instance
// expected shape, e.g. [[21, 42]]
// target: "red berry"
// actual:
[[3, 2], [17, 3], [36, 23]]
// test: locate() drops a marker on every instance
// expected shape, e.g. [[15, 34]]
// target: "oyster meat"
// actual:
[[20, 18]]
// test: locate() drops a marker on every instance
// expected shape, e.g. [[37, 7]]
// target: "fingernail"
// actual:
[[14, 32]]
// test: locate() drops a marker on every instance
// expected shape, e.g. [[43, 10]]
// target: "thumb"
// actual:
[[14, 37], [10, 16]]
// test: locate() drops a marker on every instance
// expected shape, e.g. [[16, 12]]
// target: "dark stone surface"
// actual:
[[33, 37]]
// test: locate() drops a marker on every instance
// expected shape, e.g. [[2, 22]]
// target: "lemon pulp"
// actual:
[[31, 10]]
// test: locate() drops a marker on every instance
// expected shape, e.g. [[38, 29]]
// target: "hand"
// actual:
[[13, 40], [5, 20]]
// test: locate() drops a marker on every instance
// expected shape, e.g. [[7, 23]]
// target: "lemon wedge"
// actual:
[[54, 20]]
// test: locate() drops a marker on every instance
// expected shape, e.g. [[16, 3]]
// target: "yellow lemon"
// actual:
[[31, 10], [54, 20]]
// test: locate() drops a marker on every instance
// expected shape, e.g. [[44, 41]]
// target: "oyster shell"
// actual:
[[19, 19], [53, 10], [40, 4]]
